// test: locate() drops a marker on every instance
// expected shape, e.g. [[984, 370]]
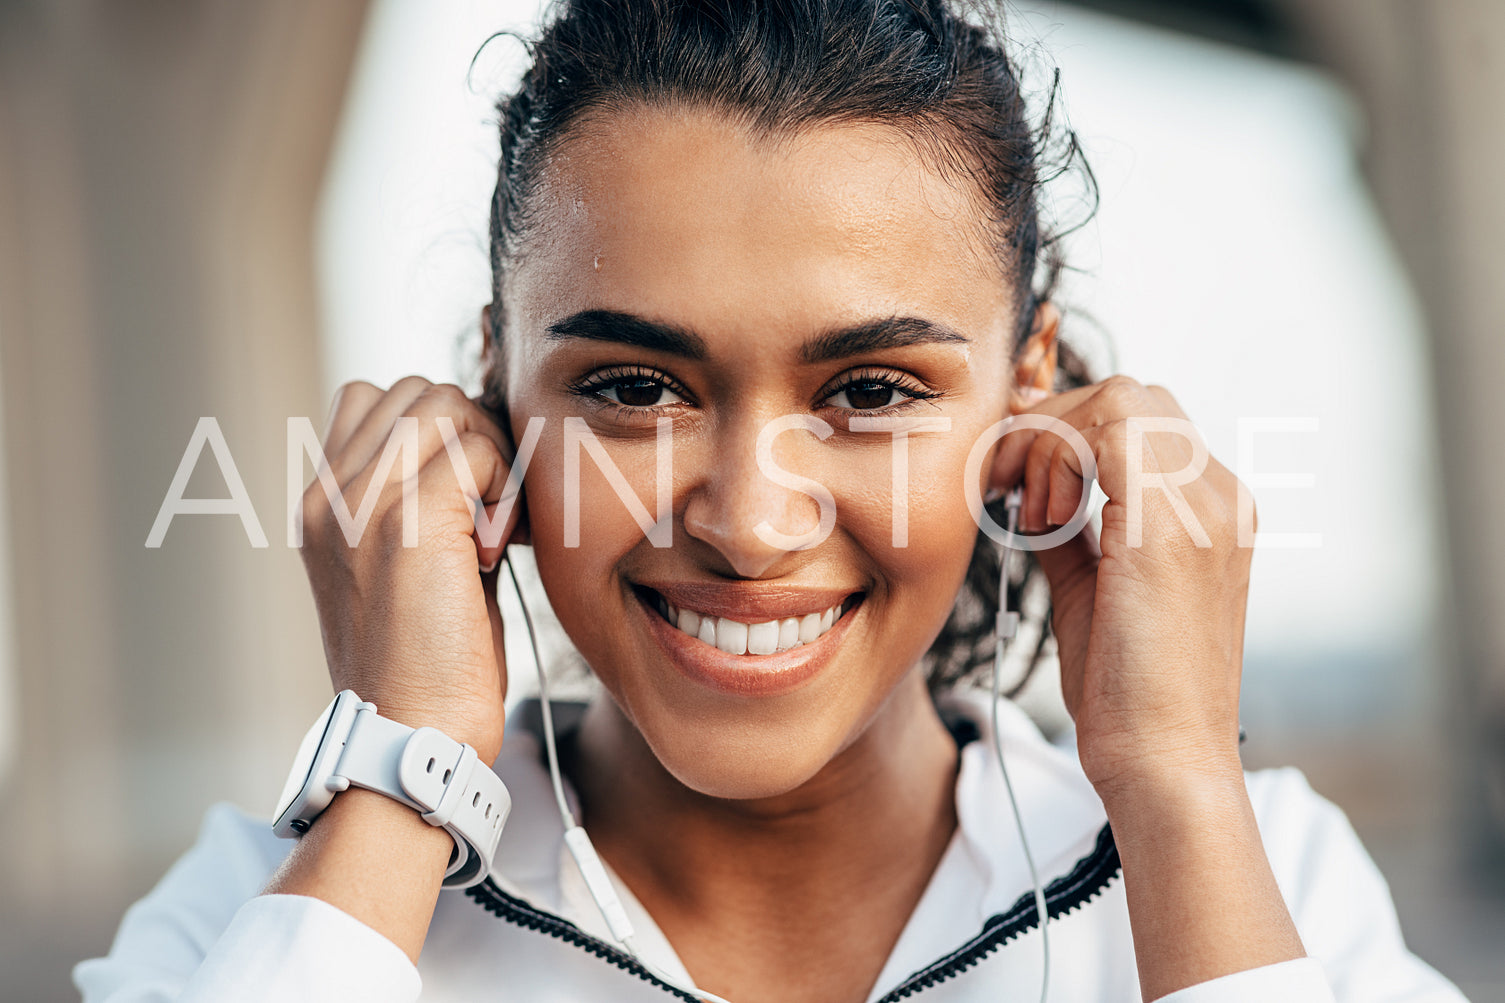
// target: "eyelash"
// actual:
[[592, 385], [916, 392]]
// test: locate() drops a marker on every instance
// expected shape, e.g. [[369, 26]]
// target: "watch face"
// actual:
[[297, 778]]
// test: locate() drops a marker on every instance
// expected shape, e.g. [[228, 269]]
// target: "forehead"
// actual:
[[683, 214]]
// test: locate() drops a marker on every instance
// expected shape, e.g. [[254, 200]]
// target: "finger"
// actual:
[[480, 454], [440, 410], [1067, 488], [374, 429], [494, 614], [1037, 463], [1071, 564], [455, 479], [1108, 445], [498, 415], [350, 404], [1007, 468], [1071, 569], [1168, 404], [1040, 461], [1080, 412], [445, 400]]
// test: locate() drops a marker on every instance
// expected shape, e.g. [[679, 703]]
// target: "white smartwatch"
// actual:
[[425, 769]]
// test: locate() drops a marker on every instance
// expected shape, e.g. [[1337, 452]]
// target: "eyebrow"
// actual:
[[628, 329], [838, 343], [872, 335]]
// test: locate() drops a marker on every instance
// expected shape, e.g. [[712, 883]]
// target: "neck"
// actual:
[[885, 805]]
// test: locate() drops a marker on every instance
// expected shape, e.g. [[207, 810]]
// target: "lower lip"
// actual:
[[746, 675]]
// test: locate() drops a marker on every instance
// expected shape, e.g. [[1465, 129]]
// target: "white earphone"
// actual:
[[599, 884]]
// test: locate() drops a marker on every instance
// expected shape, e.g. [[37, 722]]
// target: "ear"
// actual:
[[491, 362], [488, 337], [1035, 360], [490, 358]]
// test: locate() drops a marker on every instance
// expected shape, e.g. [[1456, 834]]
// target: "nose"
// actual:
[[755, 500]]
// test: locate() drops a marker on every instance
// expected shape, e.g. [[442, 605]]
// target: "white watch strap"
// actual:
[[440, 777]]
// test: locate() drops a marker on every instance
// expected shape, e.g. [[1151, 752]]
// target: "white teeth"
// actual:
[[810, 627], [731, 636], [765, 638]]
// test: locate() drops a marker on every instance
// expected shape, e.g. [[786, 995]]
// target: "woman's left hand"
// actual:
[[1149, 620]]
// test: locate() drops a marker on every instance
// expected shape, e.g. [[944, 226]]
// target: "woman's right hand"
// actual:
[[414, 629]]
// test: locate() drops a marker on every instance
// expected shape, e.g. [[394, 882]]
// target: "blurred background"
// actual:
[[226, 209]]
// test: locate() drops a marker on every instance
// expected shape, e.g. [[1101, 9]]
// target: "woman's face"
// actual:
[[677, 268]]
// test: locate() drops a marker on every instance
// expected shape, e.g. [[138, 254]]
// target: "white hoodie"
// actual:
[[532, 934]]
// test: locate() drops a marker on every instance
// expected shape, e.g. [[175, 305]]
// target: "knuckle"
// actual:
[[350, 395], [354, 386], [389, 518], [1121, 393], [478, 445], [1040, 452], [410, 384], [448, 394], [314, 502], [440, 399], [1160, 392]]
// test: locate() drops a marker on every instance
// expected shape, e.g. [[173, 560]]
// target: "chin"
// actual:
[[738, 749], [743, 763]]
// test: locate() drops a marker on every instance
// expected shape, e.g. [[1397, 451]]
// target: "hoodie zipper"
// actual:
[[1084, 882]]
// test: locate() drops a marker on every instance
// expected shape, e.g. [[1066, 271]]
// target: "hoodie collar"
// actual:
[[981, 889]]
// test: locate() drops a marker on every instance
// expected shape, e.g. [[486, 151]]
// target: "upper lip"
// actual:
[[749, 602]]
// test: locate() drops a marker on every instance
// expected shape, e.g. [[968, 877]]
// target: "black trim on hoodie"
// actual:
[[1086, 879]]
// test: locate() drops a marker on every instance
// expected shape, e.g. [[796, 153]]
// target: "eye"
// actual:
[[866, 395], [638, 391], [882, 390], [630, 388]]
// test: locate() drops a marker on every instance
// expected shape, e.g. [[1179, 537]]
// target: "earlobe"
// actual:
[[1035, 361]]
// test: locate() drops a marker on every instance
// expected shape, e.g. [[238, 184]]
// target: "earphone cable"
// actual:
[[576, 841], [543, 701], [1007, 624]]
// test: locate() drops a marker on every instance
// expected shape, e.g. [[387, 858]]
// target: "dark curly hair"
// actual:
[[940, 70]]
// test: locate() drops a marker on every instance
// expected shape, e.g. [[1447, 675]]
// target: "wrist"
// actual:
[[430, 779], [381, 821], [1203, 900], [376, 860], [1191, 790]]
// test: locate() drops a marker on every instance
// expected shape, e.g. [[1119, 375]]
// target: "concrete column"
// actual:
[[159, 169], [1431, 78]]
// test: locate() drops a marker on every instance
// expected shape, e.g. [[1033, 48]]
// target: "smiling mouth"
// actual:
[[738, 638]]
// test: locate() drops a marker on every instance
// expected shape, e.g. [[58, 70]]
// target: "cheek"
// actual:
[[582, 528], [920, 563]]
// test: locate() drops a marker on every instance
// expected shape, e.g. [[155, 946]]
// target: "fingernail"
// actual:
[[1032, 395], [487, 569], [993, 495]]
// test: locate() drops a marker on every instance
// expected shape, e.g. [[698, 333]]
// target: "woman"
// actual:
[[779, 268]]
